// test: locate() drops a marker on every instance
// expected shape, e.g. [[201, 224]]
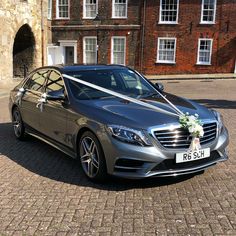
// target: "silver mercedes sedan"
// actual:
[[105, 116]]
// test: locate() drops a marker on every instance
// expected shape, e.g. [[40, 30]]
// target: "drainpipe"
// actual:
[[42, 33], [143, 36]]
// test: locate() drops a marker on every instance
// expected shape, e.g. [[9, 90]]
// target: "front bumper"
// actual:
[[134, 162]]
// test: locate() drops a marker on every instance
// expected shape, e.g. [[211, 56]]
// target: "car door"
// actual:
[[53, 117], [33, 91]]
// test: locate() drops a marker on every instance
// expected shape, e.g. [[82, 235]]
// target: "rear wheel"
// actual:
[[18, 125], [92, 157]]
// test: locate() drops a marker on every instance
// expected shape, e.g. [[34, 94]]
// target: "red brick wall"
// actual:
[[188, 31], [104, 34]]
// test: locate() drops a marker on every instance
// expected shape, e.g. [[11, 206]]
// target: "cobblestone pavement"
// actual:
[[43, 192]]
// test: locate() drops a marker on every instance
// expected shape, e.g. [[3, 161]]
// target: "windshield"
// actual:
[[123, 81]]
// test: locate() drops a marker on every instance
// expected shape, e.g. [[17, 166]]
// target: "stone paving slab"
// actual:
[[43, 192]]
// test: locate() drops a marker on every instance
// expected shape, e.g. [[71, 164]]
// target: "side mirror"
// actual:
[[159, 86], [56, 95]]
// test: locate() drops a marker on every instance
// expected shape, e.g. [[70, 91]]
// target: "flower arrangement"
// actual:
[[193, 124]]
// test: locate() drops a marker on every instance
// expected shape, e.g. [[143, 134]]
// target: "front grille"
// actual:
[[170, 164], [180, 138]]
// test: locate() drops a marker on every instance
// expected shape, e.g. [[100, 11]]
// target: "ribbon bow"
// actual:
[[41, 101]]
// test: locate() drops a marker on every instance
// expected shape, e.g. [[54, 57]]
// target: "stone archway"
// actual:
[[23, 51]]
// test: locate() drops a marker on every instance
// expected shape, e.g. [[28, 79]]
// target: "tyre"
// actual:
[[18, 125], [92, 157]]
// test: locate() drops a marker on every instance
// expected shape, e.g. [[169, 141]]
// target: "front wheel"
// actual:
[[18, 125], [91, 157]]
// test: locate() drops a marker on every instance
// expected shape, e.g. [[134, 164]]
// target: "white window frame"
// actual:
[[49, 9], [168, 22], [68, 43], [158, 44], [112, 48], [84, 55], [84, 10], [214, 16], [198, 51], [57, 11], [113, 11]]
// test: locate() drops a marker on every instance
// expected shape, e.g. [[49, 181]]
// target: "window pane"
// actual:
[[169, 10], [37, 80], [118, 51], [119, 8], [54, 82], [204, 54], [91, 8], [208, 11], [90, 50], [63, 9], [166, 50], [49, 9]]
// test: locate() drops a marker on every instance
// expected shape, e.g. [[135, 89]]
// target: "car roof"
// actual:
[[75, 67], [67, 68], [89, 67]]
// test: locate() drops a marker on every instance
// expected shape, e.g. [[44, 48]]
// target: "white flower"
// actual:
[[193, 124], [192, 118]]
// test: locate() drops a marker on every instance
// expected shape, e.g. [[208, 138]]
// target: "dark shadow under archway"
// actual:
[[23, 51]]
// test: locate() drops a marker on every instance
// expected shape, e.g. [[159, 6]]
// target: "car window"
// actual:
[[37, 80], [54, 82], [124, 81], [133, 83]]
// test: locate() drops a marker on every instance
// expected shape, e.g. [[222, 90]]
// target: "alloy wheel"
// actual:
[[89, 156], [17, 123]]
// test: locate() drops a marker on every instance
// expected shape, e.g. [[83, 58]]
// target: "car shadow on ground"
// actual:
[[221, 104], [44, 160]]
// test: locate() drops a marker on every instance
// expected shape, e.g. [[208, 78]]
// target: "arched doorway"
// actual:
[[23, 51]]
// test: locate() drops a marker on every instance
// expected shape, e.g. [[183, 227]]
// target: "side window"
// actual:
[[129, 80], [132, 83], [37, 80], [55, 82]]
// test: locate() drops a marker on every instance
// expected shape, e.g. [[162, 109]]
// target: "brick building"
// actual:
[[22, 37], [197, 36], [91, 31], [153, 36]]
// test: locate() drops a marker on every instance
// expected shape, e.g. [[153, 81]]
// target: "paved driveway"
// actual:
[[42, 192]]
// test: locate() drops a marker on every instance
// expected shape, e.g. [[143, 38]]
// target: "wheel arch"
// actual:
[[81, 132], [79, 135]]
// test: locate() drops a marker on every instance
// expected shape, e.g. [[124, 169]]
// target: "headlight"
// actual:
[[129, 135], [219, 118]]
